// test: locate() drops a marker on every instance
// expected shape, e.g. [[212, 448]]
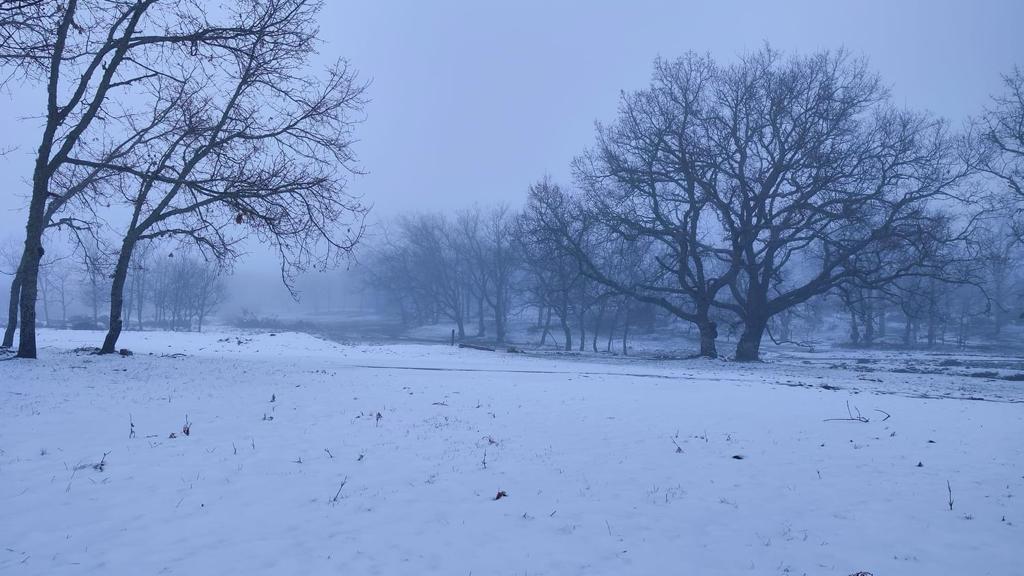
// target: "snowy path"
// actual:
[[609, 468]]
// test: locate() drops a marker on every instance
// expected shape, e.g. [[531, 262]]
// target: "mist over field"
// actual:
[[466, 288]]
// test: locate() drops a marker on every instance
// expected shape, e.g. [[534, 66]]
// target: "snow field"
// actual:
[[691, 467]]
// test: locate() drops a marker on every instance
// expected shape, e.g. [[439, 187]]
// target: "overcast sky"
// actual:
[[474, 100], [471, 101]]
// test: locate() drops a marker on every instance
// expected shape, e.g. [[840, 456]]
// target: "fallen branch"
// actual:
[[476, 347], [679, 449], [338, 493], [858, 418], [99, 466]]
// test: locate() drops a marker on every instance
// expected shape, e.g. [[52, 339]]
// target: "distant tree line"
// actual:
[[170, 290], [737, 198], [744, 196]]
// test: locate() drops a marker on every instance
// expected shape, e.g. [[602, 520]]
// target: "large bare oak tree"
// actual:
[[773, 177]]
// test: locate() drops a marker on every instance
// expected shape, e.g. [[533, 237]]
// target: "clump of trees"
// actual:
[[745, 199], [202, 126], [740, 195], [1000, 135], [461, 268], [166, 288], [184, 291]]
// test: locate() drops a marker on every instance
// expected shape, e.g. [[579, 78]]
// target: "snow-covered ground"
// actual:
[[309, 457]]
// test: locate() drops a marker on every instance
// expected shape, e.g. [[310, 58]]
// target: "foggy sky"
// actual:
[[471, 101]]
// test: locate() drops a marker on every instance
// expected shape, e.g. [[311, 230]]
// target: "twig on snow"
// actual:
[[99, 466], [679, 449], [338, 493], [858, 418]]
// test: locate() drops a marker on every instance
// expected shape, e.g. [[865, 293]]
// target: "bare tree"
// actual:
[[1001, 134], [493, 261], [995, 251], [138, 283], [468, 238], [56, 280], [89, 54], [244, 143], [425, 264], [389, 274], [24, 39], [94, 279], [548, 238], [818, 180], [648, 177], [209, 292], [185, 290], [778, 178]]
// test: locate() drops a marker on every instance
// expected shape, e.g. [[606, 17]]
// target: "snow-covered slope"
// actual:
[[683, 467]]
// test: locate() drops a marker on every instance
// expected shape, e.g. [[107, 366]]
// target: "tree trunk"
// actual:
[[44, 293], [611, 328], [31, 256], [499, 319], [748, 349], [117, 296], [786, 326], [708, 335], [129, 307], [708, 331], [480, 328], [401, 308], [997, 310], [625, 333], [95, 298], [544, 330], [140, 295], [63, 306], [567, 331], [12, 310], [869, 325], [583, 332], [597, 324]]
